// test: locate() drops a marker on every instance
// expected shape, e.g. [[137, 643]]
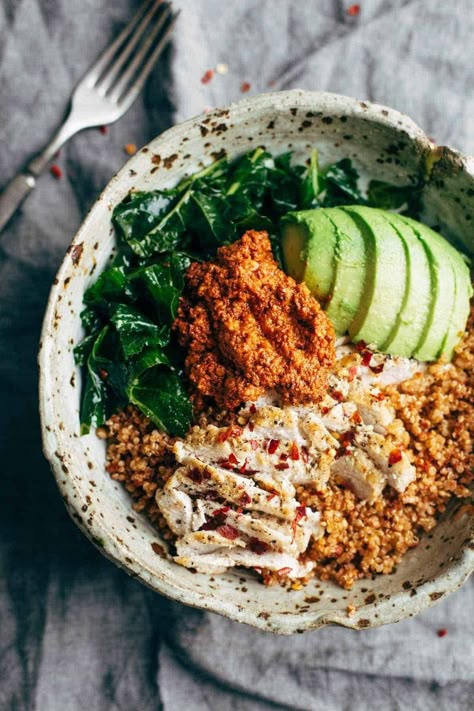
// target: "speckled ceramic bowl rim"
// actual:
[[117, 551]]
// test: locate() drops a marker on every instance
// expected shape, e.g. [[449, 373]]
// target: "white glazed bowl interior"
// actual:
[[383, 144]]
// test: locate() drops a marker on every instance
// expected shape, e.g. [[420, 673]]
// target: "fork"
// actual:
[[104, 94]]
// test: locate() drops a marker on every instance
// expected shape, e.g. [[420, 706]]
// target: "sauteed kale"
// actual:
[[129, 353]]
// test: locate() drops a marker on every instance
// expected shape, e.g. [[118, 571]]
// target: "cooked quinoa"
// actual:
[[360, 538]]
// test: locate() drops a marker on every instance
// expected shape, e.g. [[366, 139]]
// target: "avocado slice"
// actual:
[[412, 317], [385, 282], [309, 245], [350, 259], [454, 292]]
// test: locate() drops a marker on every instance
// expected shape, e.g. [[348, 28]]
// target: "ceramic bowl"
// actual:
[[383, 144]]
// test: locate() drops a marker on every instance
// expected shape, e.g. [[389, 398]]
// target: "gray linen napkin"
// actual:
[[74, 631]]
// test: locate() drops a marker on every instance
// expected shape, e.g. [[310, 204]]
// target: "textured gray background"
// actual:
[[76, 633]]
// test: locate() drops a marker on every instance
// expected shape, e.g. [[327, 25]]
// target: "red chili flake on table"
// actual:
[[228, 532], [56, 171], [245, 86], [442, 632], [103, 129], [294, 452], [394, 456], [282, 466], [353, 10], [207, 76], [258, 547], [273, 446]]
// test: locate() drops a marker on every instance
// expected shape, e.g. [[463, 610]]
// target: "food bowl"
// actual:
[[384, 145]]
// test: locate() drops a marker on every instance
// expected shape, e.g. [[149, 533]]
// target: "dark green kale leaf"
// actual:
[[136, 331], [106, 381], [161, 396], [339, 183], [111, 286], [310, 186]]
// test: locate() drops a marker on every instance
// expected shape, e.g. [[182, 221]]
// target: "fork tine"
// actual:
[[106, 81], [137, 86], [120, 87], [108, 54]]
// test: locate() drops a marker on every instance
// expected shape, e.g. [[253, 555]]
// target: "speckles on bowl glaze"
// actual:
[[76, 251], [320, 120]]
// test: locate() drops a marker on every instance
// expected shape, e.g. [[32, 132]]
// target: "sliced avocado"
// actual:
[[350, 258], [412, 317], [309, 244], [459, 284], [385, 283]]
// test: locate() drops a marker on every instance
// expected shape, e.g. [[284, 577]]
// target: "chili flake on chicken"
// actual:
[[248, 327]]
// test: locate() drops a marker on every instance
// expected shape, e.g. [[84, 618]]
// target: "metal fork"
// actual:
[[105, 93]]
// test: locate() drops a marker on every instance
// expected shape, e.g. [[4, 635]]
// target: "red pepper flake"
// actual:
[[232, 459], [254, 444], [56, 171], [228, 532], [352, 373], [337, 395], [324, 410], [347, 438], [245, 499], [103, 130], [366, 357], [207, 76], [232, 431], [243, 467], [283, 572], [273, 446], [394, 456], [304, 454], [294, 452], [251, 426], [103, 374], [353, 10], [198, 475], [258, 547], [245, 87], [252, 409], [300, 513], [271, 495], [220, 512], [282, 466], [361, 346], [356, 418], [442, 632], [377, 368]]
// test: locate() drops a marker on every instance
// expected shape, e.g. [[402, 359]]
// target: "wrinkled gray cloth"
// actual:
[[75, 632]]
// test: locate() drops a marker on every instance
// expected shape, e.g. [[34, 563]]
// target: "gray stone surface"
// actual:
[[77, 633]]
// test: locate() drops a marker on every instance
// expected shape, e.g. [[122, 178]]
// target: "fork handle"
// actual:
[[22, 184], [13, 195]]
